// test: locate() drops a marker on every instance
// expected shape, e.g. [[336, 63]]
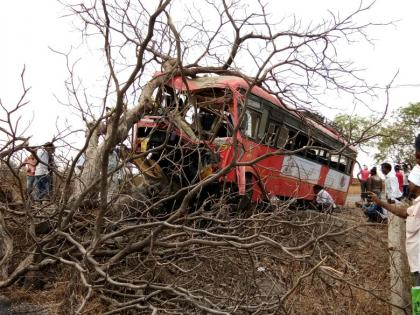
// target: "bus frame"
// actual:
[[279, 152]]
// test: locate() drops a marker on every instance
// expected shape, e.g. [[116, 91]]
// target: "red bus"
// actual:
[[280, 152]]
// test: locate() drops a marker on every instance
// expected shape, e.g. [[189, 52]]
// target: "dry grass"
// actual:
[[364, 256]]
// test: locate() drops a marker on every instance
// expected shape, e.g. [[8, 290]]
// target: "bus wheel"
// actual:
[[245, 201]]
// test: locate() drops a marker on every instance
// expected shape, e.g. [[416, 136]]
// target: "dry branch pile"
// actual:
[[272, 260]]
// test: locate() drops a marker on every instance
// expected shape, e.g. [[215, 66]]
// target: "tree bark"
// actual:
[[6, 248], [90, 168], [399, 271], [95, 151]]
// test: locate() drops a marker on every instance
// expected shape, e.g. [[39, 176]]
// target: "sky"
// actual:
[[31, 30]]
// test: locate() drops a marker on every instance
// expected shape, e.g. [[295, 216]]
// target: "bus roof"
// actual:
[[235, 83]]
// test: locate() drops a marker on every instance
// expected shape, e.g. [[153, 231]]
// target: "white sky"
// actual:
[[28, 28]]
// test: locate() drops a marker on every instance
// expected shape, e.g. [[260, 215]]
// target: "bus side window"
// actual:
[[323, 157], [342, 165], [282, 138], [334, 161], [271, 135], [250, 123], [311, 154], [300, 142], [263, 124], [291, 140]]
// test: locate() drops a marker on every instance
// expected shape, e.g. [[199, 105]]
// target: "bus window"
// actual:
[[226, 127], [342, 165], [311, 154], [191, 112], [271, 135], [323, 156], [300, 142], [334, 161], [170, 98], [206, 120], [250, 123], [291, 140], [283, 136], [263, 124]]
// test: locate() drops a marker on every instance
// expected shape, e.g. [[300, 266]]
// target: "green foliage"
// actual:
[[392, 138], [396, 142], [356, 129]]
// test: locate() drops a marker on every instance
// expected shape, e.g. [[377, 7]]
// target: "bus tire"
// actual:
[[245, 200]]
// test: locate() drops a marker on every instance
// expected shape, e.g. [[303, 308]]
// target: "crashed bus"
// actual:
[[205, 124]]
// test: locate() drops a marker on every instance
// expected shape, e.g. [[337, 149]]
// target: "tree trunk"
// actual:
[[91, 167], [95, 151], [6, 248], [399, 271]]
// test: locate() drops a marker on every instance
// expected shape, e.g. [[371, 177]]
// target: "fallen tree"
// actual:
[[151, 249]]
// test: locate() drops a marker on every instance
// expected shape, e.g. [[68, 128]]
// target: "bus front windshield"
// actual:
[[207, 112]]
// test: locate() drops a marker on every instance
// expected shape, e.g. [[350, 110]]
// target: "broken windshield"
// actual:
[[207, 112]]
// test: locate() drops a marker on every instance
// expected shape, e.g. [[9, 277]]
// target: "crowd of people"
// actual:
[[39, 172], [395, 188], [40, 166], [409, 211]]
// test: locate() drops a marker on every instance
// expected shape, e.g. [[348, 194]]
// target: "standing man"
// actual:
[[363, 178], [374, 182], [412, 216], [392, 187], [399, 176], [43, 172], [30, 164]]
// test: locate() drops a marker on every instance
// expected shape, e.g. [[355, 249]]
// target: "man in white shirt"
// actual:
[[412, 216], [323, 199], [43, 172], [392, 187]]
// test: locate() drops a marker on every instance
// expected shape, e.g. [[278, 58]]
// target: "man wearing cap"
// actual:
[[412, 216], [43, 171]]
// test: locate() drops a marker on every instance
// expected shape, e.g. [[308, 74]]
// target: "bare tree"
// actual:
[[164, 245]]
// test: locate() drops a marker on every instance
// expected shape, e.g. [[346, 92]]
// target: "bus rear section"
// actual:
[[292, 151]]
